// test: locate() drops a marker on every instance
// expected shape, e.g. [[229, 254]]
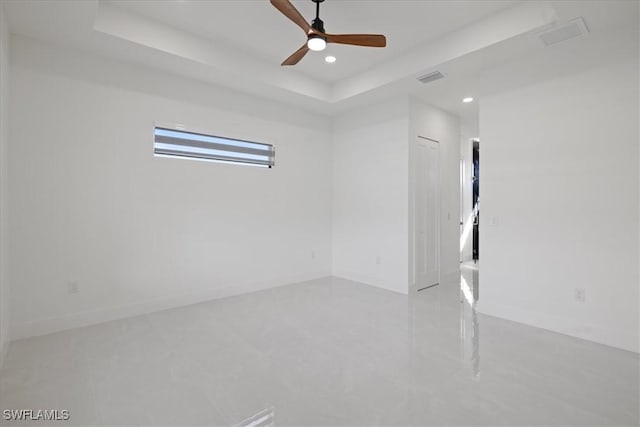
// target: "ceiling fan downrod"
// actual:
[[317, 24]]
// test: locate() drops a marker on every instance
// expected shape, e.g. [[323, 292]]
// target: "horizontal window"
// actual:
[[179, 143]]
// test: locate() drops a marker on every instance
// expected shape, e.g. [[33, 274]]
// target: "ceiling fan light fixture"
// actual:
[[316, 43]]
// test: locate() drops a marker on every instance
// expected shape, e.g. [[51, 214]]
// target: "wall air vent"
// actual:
[[430, 77], [570, 30]]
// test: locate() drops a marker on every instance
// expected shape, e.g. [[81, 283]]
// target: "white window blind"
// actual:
[[180, 143]]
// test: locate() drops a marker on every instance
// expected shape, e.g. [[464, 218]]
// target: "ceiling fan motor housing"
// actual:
[[318, 25]]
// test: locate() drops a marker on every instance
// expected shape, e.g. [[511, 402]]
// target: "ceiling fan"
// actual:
[[317, 39]]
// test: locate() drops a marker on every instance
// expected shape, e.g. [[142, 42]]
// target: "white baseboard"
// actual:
[[448, 277], [622, 339], [87, 318], [377, 283]]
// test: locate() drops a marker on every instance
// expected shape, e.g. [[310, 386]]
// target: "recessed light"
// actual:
[[467, 100], [330, 59]]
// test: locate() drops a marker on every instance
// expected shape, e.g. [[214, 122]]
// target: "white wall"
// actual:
[[4, 173], [373, 191], [139, 233], [560, 177], [370, 196], [431, 122]]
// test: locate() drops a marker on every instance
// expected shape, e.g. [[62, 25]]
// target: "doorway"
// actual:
[[470, 201], [475, 201], [470, 218], [427, 213]]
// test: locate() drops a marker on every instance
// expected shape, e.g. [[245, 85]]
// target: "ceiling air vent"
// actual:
[[430, 77], [571, 29]]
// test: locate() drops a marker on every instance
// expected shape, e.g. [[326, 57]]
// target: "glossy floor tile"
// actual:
[[328, 352]]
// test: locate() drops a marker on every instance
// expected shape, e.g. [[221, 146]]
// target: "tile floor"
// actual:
[[328, 352]]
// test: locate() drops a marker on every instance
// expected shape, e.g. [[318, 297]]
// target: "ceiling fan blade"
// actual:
[[371, 40], [297, 56], [292, 13]]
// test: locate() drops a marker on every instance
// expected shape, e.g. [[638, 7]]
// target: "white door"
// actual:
[[427, 214]]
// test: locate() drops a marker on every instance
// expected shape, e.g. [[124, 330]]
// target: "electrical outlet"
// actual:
[[580, 294], [313, 254], [378, 260], [72, 287]]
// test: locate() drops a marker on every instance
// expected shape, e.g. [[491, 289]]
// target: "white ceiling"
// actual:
[[240, 43], [257, 28]]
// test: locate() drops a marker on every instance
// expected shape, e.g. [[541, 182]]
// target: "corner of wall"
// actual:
[[371, 195]]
